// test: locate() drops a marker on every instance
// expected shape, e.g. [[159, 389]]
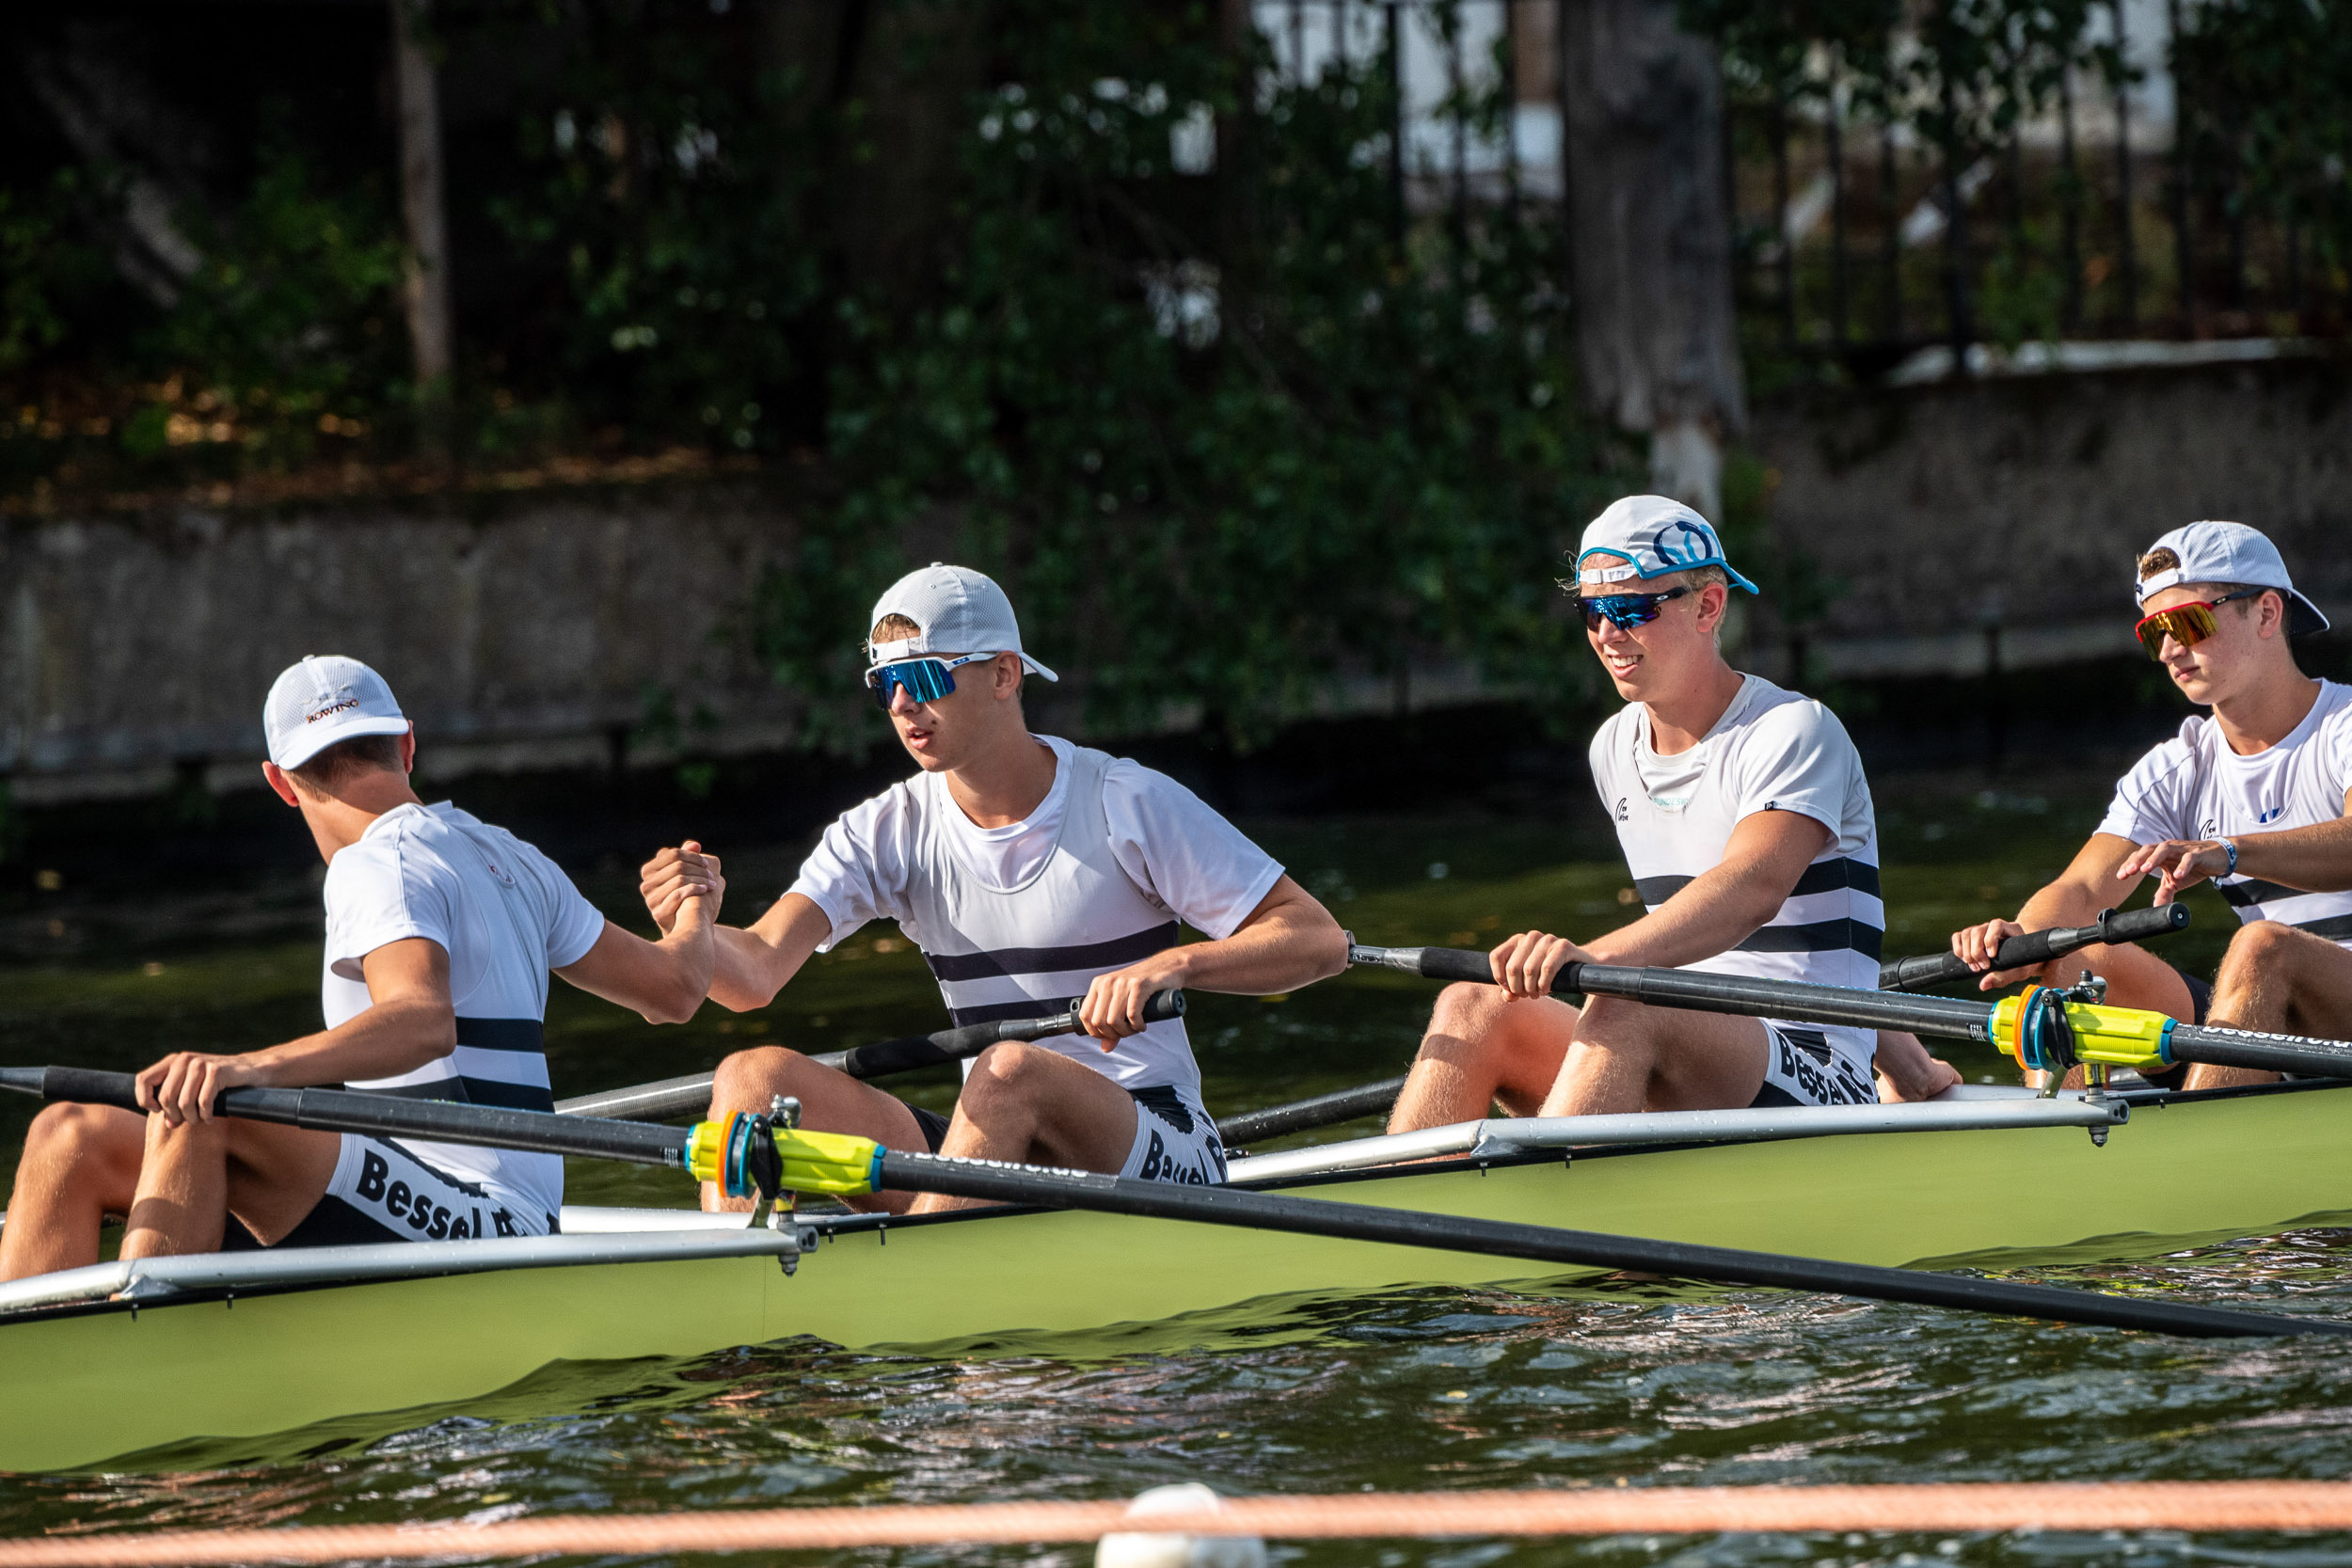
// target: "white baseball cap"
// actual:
[[2228, 552], [1649, 536], [324, 699], [961, 611]]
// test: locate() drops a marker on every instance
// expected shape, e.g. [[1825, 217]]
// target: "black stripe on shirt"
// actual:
[[1821, 935], [502, 1034], [1829, 876], [2335, 927], [2251, 891], [1655, 891], [1821, 877], [1006, 961]]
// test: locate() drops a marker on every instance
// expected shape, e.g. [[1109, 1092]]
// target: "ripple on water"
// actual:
[[1407, 1389]]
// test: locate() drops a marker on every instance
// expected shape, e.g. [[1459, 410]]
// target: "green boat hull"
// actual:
[[83, 1386]]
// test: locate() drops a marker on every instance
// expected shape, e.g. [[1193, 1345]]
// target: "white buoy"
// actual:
[[1135, 1549]]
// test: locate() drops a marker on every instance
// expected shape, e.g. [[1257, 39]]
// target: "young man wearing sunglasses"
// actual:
[[1747, 824], [1029, 872], [2252, 799]]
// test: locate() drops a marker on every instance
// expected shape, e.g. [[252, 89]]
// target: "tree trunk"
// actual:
[[425, 286], [1650, 238]]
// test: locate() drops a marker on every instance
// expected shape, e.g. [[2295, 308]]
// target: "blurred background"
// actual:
[[587, 365]]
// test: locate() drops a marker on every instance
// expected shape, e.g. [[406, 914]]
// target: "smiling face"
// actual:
[[2248, 643], [942, 733], [1657, 660]]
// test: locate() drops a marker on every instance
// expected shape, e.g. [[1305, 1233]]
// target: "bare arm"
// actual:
[[664, 981], [409, 1023], [2089, 883], [1289, 941], [2317, 858], [1714, 912], [1907, 1073]]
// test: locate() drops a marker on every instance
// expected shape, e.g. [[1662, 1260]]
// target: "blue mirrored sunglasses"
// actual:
[[925, 680], [1625, 610]]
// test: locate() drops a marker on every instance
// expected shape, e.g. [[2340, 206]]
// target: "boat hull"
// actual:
[[83, 1386]]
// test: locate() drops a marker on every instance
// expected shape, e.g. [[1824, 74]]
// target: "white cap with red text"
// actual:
[[960, 611], [2226, 552], [324, 699]]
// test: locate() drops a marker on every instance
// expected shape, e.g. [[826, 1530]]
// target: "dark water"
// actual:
[[1636, 1385]]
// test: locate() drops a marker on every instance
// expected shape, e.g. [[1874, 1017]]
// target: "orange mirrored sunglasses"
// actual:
[[2185, 624]]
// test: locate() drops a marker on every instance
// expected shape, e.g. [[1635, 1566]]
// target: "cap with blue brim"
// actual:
[[1649, 536]]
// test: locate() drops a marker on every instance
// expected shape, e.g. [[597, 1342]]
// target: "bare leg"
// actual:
[[831, 1102], [195, 1175], [1631, 1058], [81, 1163], [2278, 978], [1030, 1105], [1482, 1046]]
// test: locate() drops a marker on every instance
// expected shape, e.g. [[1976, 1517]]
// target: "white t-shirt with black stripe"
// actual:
[[1772, 749], [506, 915], [2193, 787], [1015, 922]]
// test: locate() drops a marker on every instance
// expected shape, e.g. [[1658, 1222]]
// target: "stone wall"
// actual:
[[528, 633], [532, 632], [2024, 500]]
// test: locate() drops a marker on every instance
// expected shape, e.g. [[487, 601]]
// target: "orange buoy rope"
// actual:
[[2252, 1505]]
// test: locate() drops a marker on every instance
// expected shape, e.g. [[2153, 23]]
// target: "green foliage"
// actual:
[[293, 315], [2266, 90], [1222, 452], [671, 199], [40, 262]]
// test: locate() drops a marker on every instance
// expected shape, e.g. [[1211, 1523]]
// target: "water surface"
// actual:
[[1633, 1385]]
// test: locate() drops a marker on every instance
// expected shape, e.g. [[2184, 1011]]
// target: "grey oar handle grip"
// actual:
[[690, 1096], [2033, 948]]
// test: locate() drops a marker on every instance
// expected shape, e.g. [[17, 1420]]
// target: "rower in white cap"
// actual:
[[2253, 798], [1029, 872], [1746, 821], [440, 933]]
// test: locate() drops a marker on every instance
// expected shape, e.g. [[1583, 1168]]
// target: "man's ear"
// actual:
[[408, 749], [280, 784], [1009, 675], [1713, 599], [2270, 615]]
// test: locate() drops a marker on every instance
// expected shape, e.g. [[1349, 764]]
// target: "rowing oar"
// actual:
[[690, 1096], [2046, 1028], [2032, 950], [2027, 950], [751, 1155]]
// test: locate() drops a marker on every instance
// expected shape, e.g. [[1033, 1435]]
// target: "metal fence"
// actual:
[[2115, 211]]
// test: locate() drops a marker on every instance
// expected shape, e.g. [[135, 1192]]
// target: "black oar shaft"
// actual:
[[1324, 1110], [1231, 1206], [1953, 1017], [2031, 949], [690, 1096], [2247, 1048], [1947, 1017], [387, 1116]]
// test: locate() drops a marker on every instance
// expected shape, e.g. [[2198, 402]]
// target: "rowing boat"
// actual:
[[106, 1364]]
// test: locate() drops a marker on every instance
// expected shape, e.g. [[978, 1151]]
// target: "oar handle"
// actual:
[[953, 1045], [2032, 950], [690, 1096]]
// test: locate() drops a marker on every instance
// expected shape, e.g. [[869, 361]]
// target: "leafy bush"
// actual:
[[1225, 441]]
